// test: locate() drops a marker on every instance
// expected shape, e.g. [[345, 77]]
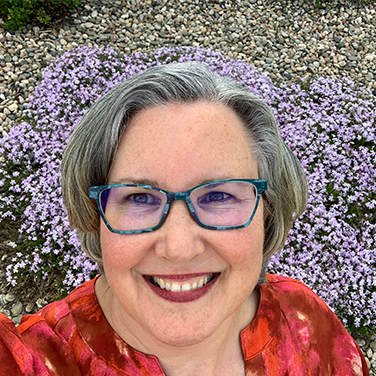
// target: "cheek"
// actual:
[[120, 251], [245, 246]]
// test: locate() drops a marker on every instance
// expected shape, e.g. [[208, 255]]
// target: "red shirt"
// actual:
[[293, 333]]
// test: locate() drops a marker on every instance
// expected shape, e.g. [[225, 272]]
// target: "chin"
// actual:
[[187, 333], [180, 340]]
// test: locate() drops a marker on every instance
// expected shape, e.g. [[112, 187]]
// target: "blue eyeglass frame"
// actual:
[[95, 192]]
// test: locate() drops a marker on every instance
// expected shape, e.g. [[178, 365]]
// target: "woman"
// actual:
[[183, 289]]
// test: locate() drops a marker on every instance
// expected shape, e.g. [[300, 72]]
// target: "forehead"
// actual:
[[183, 142]]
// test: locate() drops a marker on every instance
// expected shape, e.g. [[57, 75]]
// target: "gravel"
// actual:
[[287, 40]]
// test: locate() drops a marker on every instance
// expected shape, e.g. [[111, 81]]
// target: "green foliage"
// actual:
[[17, 13]]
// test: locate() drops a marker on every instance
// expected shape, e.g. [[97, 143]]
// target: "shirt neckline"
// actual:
[[103, 341]]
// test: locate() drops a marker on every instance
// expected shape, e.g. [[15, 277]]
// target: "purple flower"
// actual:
[[329, 124]]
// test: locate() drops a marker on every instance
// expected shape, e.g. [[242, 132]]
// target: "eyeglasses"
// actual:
[[218, 205]]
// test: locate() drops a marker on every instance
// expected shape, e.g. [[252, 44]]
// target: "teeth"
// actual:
[[186, 287], [174, 287]]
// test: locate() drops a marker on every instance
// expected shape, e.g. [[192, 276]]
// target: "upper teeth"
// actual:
[[174, 287]]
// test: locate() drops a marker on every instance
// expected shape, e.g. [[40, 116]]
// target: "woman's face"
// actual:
[[177, 147]]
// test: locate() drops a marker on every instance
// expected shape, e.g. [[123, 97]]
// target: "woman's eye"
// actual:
[[214, 197], [143, 198]]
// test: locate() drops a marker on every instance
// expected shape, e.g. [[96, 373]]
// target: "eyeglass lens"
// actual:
[[138, 208]]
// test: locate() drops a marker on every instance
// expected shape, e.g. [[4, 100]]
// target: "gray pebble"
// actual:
[[369, 354], [16, 309], [10, 297], [372, 345], [17, 319], [29, 308], [3, 301], [361, 342]]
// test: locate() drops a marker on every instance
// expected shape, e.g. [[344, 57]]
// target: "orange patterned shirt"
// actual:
[[293, 333]]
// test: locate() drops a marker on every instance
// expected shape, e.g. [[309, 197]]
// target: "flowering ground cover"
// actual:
[[329, 124]]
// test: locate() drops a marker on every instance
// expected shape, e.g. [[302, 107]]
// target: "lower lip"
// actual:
[[182, 297]]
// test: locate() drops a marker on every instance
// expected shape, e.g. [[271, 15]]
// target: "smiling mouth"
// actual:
[[175, 287]]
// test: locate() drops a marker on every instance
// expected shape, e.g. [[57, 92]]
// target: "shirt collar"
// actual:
[[107, 344], [256, 336]]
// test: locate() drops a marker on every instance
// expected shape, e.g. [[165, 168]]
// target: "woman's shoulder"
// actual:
[[289, 288], [31, 349], [54, 312], [297, 301], [283, 282], [304, 331], [38, 341]]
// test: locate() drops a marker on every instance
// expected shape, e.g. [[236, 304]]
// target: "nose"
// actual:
[[180, 238]]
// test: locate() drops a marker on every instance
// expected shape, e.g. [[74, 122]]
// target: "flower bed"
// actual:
[[328, 124]]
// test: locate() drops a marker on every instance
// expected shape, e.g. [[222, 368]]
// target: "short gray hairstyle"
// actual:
[[93, 145]]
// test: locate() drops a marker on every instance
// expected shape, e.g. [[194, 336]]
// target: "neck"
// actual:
[[219, 354]]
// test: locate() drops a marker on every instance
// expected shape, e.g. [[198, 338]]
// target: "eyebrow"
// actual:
[[212, 185], [154, 183], [150, 182]]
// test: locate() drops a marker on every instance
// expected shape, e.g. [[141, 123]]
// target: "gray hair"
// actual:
[[93, 145]]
